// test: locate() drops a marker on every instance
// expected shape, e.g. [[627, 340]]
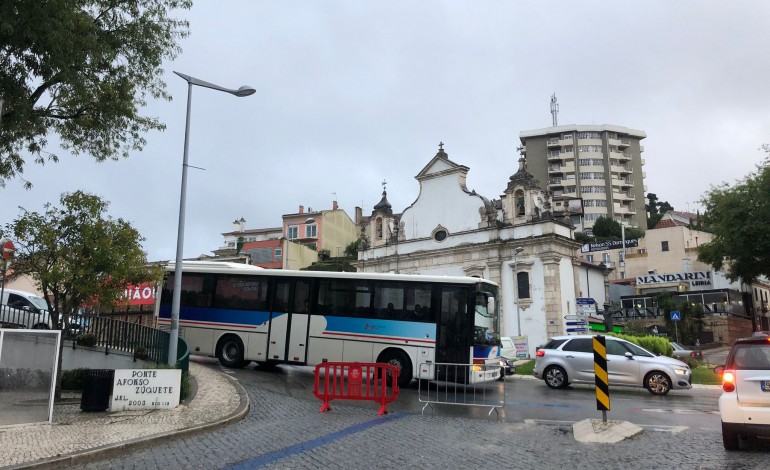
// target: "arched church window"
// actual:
[[519, 203], [378, 228]]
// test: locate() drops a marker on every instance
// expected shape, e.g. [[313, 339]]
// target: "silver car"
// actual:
[[570, 359]]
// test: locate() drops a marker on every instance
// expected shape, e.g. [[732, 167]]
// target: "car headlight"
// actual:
[[682, 371]]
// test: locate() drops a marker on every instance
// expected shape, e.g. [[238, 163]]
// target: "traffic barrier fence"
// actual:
[[461, 385], [373, 381]]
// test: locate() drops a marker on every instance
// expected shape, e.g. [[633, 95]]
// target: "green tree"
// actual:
[[606, 228], [739, 218], [655, 209], [81, 69], [78, 256]]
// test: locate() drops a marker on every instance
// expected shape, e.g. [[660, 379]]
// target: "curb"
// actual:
[[109, 450]]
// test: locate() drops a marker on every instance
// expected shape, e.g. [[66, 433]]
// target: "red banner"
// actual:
[[140, 294]]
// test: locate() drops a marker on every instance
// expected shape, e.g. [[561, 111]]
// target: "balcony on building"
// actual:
[[624, 142], [552, 142]]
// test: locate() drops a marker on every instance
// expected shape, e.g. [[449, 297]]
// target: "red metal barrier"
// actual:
[[356, 381]]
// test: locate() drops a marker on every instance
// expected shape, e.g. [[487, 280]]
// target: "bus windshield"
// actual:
[[487, 323]]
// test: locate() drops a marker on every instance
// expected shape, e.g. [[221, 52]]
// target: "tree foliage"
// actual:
[[656, 209], [81, 69], [739, 218], [77, 255], [605, 229]]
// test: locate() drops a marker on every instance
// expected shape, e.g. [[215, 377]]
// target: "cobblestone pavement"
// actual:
[[281, 432], [77, 436]]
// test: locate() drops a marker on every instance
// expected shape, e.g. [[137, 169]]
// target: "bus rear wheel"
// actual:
[[230, 352], [400, 360]]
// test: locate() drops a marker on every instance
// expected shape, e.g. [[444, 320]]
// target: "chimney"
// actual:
[[359, 215], [301, 209], [334, 205]]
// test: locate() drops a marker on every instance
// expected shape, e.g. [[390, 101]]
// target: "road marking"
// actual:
[[680, 411], [273, 457]]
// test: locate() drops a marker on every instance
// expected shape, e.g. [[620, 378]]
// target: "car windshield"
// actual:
[[39, 302], [751, 356]]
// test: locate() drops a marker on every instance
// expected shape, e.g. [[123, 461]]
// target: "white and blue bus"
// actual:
[[240, 313]]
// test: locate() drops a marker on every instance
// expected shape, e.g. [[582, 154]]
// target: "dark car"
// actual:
[[507, 367]]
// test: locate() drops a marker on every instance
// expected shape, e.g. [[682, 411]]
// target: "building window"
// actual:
[[590, 258], [292, 232], [440, 235], [311, 231], [519, 203], [278, 254], [664, 246], [378, 228], [522, 285]]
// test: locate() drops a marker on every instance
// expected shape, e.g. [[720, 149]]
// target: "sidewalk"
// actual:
[[79, 437]]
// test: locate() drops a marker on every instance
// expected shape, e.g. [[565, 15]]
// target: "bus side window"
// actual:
[[302, 297]]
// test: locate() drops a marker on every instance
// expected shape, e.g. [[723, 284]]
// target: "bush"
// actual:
[[142, 353], [654, 344], [86, 339], [73, 379]]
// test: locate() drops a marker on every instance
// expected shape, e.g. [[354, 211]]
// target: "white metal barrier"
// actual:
[[461, 384]]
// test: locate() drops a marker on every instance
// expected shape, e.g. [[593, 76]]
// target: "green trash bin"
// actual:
[[97, 388]]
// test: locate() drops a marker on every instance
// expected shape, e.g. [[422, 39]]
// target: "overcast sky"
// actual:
[[351, 93]]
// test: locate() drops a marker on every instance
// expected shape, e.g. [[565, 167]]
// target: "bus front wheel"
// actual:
[[400, 360], [230, 352]]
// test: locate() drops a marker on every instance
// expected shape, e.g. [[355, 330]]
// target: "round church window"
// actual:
[[440, 235]]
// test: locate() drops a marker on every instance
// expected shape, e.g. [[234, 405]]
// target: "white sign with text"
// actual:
[[145, 389]]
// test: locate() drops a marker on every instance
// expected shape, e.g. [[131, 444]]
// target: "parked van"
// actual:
[[24, 309]]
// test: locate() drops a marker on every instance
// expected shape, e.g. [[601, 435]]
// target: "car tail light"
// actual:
[[693, 354], [540, 353], [728, 381]]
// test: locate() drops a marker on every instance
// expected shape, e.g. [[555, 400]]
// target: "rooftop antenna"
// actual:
[[335, 195], [554, 110], [384, 184]]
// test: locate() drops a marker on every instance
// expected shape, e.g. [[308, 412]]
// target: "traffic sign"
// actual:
[[8, 249], [576, 323], [584, 301], [576, 330], [575, 317], [676, 316]]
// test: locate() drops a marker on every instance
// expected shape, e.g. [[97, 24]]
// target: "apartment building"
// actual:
[[591, 171]]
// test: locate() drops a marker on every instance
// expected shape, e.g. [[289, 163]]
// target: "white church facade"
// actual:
[[514, 241]]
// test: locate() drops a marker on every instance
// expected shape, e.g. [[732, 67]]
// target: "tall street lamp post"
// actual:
[[174, 333], [516, 252]]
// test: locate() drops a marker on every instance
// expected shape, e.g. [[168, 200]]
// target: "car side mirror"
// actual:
[[629, 355], [719, 370]]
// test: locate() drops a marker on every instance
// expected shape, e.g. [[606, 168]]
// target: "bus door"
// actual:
[[288, 321]]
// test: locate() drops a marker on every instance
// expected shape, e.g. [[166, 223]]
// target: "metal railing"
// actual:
[[461, 385], [144, 342]]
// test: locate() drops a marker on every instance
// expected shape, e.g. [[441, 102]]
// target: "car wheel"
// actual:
[[657, 383], [230, 352], [729, 438], [400, 360], [555, 377]]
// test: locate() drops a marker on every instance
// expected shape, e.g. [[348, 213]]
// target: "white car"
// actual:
[[570, 359], [744, 405], [24, 309]]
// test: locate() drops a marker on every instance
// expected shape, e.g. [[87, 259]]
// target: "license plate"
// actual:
[[765, 384]]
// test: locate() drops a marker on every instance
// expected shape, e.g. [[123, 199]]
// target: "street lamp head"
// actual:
[[244, 91], [240, 92], [518, 250]]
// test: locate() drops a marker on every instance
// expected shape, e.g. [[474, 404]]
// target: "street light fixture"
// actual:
[[516, 252], [174, 332]]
